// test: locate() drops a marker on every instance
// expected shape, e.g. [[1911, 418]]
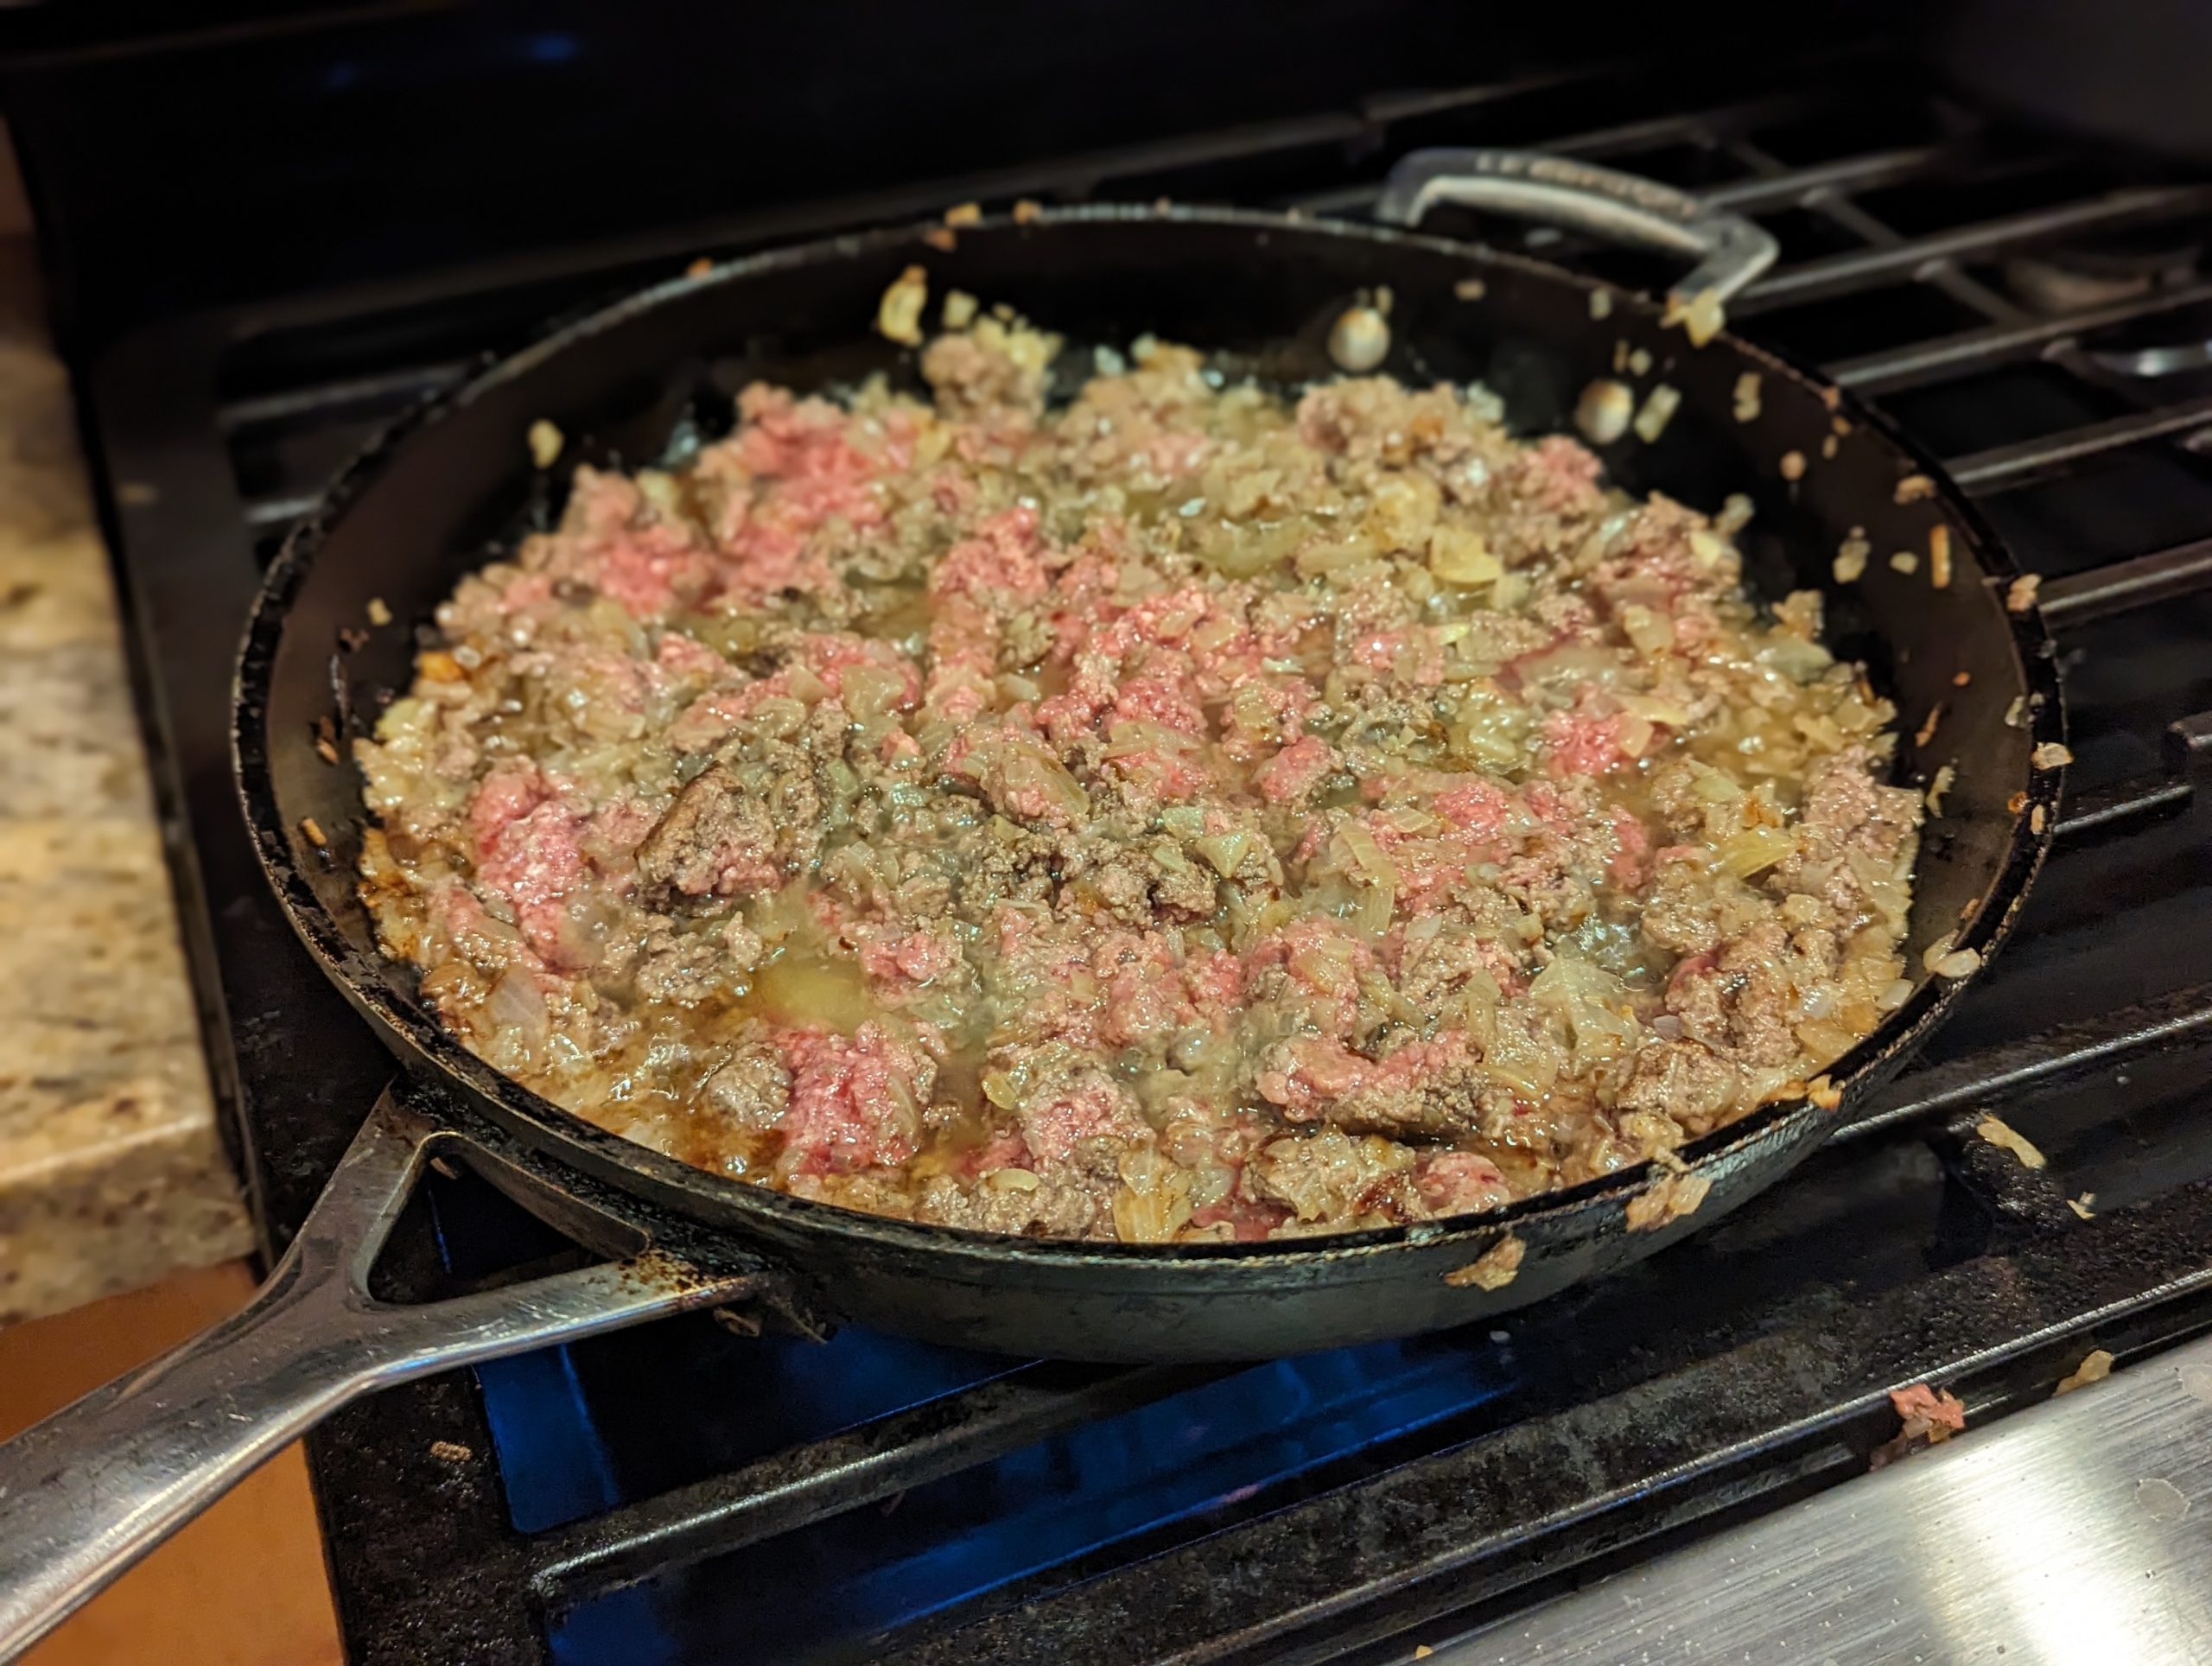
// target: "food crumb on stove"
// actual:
[[699, 267], [1850, 564], [1828, 447], [2016, 803], [2022, 594], [545, 443], [1939, 785], [451, 1452], [1912, 488], [1639, 362], [1601, 304], [313, 830], [2094, 1368], [326, 748], [1939, 556], [2036, 819], [942, 238], [1793, 465], [378, 614], [1470, 289], [1747, 397], [1423, 1651], [1736, 512], [2081, 1205], [899, 314], [1904, 562], [1926, 732], [1027, 210], [2002, 1134], [1928, 1417], [1960, 679], [1824, 1093], [2051, 755], [964, 213], [1659, 407], [2014, 712], [1495, 1268], [960, 309]]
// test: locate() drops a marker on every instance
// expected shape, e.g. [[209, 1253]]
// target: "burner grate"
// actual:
[[1399, 1485]]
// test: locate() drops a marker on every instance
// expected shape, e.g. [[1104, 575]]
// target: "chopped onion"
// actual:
[[1659, 407], [1753, 850], [899, 314], [516, 1008], [1604, 411], [1459, 557]]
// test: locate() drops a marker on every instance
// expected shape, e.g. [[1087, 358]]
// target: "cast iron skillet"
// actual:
[[102, 1480]]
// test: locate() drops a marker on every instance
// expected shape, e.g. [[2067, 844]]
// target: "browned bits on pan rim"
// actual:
[[1666, 1200], [1495, 1268]]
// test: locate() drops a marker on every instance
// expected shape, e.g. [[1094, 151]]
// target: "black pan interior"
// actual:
[[649, 377]]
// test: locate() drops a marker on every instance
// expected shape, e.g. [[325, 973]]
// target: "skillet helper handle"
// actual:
[[1730, 250], [92, 1489]]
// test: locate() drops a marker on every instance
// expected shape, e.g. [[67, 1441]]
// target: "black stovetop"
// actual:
[[687, 1492]]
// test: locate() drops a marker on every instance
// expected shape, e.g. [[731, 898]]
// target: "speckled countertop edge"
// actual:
[[112, 1174]]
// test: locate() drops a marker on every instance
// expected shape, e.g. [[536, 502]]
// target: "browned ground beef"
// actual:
[[1182, 813]]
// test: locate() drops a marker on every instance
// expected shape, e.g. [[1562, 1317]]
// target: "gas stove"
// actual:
[[692, 1490]]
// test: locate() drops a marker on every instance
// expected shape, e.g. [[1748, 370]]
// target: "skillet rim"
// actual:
[[365, 978]]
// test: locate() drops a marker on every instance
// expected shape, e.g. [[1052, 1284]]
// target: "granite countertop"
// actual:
[[111, 1171]]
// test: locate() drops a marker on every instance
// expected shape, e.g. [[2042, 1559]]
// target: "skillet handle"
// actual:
[[1730, 249], [92, 1489]]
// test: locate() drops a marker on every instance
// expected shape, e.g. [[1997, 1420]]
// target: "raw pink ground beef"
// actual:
[[1111, 820]]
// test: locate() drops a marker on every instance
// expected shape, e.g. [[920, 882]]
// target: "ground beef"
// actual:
[[1181, 812]]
